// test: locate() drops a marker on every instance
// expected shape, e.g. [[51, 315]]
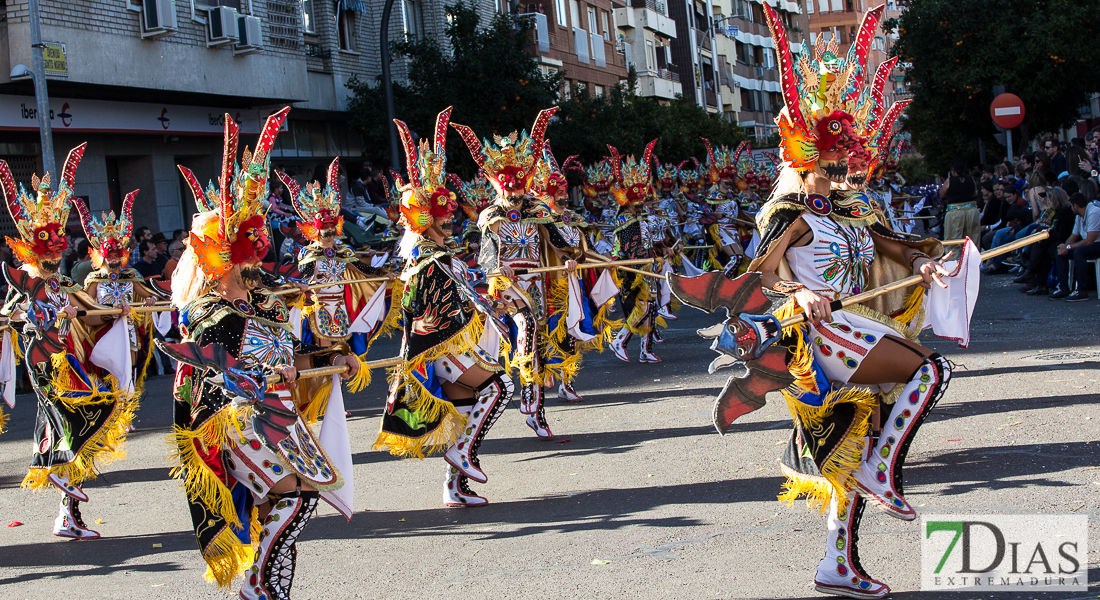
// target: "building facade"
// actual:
[[580, 40], [645, 38], [147, 84]]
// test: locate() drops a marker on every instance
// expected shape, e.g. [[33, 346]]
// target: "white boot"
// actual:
[[879, 477], [69, 523], [531, 404], [666, 313], [272, 570], [618, 345], [646, 355], [67, 487], [457, 494], [840, 573], [567, 393], [463, 454]]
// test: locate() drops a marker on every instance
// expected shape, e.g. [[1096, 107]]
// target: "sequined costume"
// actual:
[[83, 415], [449, 389]]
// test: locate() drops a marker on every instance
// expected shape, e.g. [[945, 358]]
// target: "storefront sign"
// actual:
[[66, 114]]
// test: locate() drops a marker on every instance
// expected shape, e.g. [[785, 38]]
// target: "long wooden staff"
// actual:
[[617, 263], [609, 264], [913, 280], [318, 286], [276, 379]]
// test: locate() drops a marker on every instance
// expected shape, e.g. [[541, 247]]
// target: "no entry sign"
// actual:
[[1007, 111]]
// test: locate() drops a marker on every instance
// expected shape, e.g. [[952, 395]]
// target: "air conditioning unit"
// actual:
[[661, 8], [222, 26], [250, 35], [158, 17]]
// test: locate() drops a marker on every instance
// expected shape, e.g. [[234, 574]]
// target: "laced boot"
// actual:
[[879, 477], [658, 337], [456, 492], [67, 487], [733, 265], [272, 570], [536, 415], [463, 454], [618, 345], [567, 393], [667, 313], [69, 523], [840, 573], [647, 355]]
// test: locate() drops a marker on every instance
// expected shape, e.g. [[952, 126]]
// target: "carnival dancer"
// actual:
[[334, 312], [515, 230], [848, 365], [574, 323], [632, 186], [114, 284], [83, 415], [252, 468], [599, 210], [731, 232], [449, 389]]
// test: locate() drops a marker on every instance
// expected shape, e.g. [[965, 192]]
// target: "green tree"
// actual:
[[496, 87], [1044, 51], [489, 77]]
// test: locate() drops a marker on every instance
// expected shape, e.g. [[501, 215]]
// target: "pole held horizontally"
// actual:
[[915, 279], [337, 370], [318, 286]]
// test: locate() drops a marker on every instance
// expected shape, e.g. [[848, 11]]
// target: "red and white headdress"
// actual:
[[425, 198], [511, 162], [318, 208], [633, 179], [107, 233], [40, 218]]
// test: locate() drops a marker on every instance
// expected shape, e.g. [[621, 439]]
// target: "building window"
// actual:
[[650, 55], [345, 25], [575, 14], [592, 28], [413, 22], [309, 24], [230, 3], [810, 6], [606, 26], [559, 12]]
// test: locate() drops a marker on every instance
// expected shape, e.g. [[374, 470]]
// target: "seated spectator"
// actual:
[[161, 242], [1041, 255], [147, 264], [1005, 228], [1081, 246], [993, 193]]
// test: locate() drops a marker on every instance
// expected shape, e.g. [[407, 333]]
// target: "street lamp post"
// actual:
[[387, 87], [39, 66]]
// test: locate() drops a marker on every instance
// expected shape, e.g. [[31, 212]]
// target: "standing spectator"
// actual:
[[147, 261], [175, 251], [1081, 246], [143, 233], [962, 210], [83, 264], [1057, 160]]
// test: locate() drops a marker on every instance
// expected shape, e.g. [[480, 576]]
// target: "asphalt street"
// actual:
[[637, 497]]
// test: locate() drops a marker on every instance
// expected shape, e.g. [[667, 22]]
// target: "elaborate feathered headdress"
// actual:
[[823, 95], [318, 208], [425, 198], [107, 233], [511, 162], [633, 181], [473, 196], [596, 179], [548, 180], [875, 123], [666, 175], [40, 219], [239, 234], [721, 162], [691, 180]]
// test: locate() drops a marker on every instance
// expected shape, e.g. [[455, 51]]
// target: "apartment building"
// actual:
[[841, 19], [580, 40], [645, 38], [146, 83], [725, 57]]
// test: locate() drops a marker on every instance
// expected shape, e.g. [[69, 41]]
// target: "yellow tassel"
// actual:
[[317, 406], [226, 557], [3, 420], [838, 469], [817, 491], [104, 447], [362, 377], [64, 392], [913, 305], [13, 339], [200, 483], [438, 440]]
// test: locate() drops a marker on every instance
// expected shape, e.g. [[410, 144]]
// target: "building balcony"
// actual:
[[835, 19], [664, 84]]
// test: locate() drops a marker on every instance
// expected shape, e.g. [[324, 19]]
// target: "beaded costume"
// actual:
[[444, 336], [83, 414]]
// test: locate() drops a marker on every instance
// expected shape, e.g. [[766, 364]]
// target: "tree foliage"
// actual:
[[496, 87], [1044, 51]]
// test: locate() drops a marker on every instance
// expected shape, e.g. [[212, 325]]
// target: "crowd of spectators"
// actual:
[[1054, 189]]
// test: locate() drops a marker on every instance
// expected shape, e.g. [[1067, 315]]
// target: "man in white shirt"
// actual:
[[1081, 246]]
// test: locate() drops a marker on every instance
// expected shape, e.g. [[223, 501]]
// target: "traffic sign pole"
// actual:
[[1007, 111]]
